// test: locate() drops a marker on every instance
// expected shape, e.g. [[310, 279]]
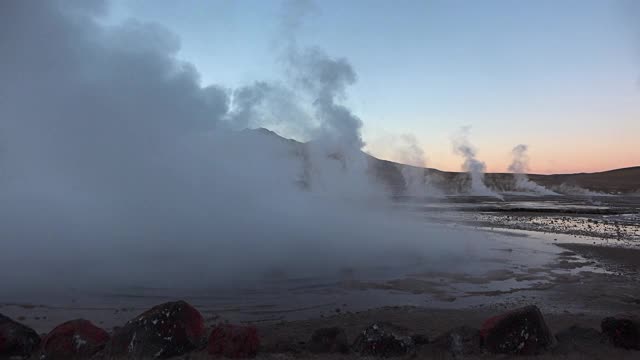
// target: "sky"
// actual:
[[559, 76]]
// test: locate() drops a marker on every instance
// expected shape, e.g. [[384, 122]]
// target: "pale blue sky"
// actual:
[[558, 75]]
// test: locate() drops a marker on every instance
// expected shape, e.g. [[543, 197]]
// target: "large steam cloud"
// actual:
[[118, 167]]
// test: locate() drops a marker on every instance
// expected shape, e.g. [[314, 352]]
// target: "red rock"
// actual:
[[166, 330], [234, 341], [622, 331], [16, 339], [520, 331], [75, 339]]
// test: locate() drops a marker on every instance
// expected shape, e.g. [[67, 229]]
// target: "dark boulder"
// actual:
[[283, 344], [16, 339], [420, 339], [328, 340], [578, 339], [76, 339], [234, 341], [166, 330], [622, 331], [520, 331], [460, 341], [383, 339]]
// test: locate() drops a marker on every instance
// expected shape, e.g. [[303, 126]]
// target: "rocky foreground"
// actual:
[[178, 330]]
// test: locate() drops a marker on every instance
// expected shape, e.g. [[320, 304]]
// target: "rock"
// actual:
[[420, 339], [577, 339], [622, 331], [283, 344], [76, 339], [234, 341], [16, 339], [329, 340], [383, 339], [166, 330], [520, 331], [460, 341]]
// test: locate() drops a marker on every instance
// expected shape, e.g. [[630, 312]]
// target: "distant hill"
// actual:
[[626, 180], [389, 173]]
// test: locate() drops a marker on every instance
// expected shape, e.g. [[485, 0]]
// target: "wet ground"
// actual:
[[604, 217], [530, 259]]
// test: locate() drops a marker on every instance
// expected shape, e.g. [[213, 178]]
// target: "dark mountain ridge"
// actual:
[[389, 173]]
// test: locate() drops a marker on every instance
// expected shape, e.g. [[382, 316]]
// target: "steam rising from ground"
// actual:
[[414, 175], [417, 181], [573, 189], [471, 165], [118, 166], [519, 167]]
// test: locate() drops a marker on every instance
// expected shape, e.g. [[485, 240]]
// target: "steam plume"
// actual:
[[417, 181], [519, 167], [471, 165], [269, 105], [337, 134]]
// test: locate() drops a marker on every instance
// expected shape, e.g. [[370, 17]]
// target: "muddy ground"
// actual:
[[593, 274]]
